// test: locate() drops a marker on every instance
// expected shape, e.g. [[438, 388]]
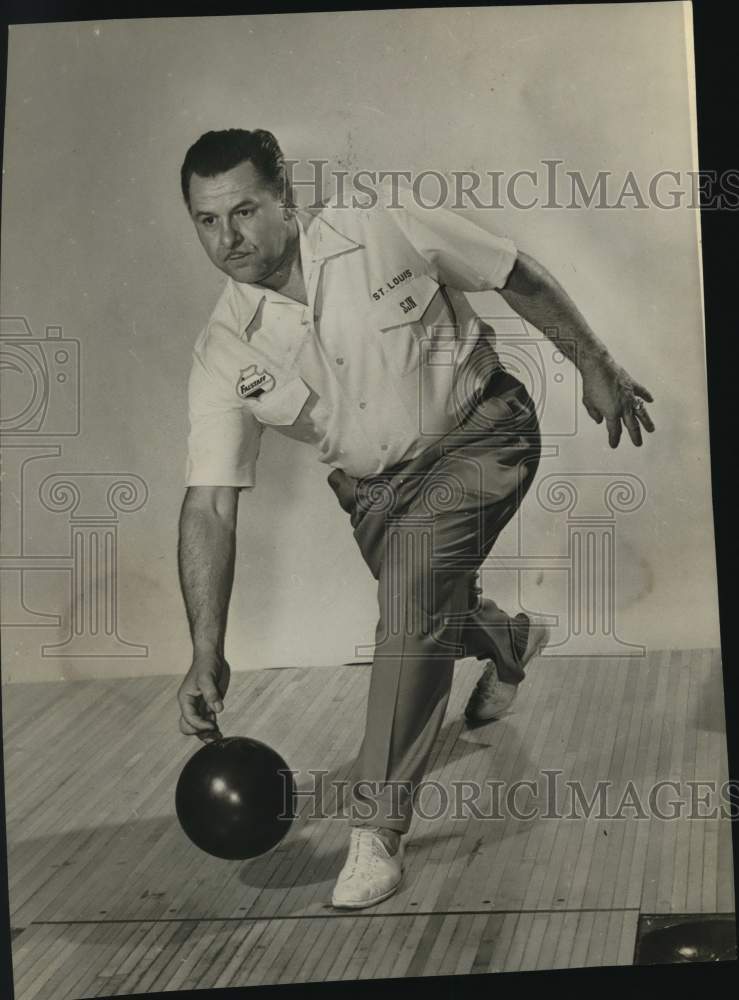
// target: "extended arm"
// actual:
[[206, 555], [608, 390]]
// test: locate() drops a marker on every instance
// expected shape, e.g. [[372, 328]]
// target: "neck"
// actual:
[[287, 277]]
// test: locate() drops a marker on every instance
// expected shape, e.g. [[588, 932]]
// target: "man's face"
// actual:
[[240, 222]]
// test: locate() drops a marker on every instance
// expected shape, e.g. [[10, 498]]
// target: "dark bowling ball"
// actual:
[[712, 940], [234, 798]]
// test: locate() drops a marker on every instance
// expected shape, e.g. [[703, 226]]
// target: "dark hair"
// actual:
[[216, 152]]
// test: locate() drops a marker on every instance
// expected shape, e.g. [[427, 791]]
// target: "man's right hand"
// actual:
[[201, 695]]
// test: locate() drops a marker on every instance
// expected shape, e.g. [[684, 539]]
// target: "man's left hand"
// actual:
[[610, 392]]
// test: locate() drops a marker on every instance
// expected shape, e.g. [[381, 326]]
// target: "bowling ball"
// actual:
[[711, 940], [235, 798]]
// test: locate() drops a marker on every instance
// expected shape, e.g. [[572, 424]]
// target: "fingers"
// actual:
[[644, 393], [632, 426], [195, 717], [197, 727], [646, 421], [593, 412], [211, 736], [224, 680], [206, 735], [210, 693], [614, 431]]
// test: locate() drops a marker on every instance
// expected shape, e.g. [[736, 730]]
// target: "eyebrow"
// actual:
[[241, 204]]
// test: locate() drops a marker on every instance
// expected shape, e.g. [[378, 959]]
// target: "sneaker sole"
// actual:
[[375, 899], [477, 720], [366, 902]]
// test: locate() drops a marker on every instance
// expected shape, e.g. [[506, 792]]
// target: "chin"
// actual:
[[242, 274], [244, 279]]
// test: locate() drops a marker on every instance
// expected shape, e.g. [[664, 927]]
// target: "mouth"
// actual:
[[239, 256]]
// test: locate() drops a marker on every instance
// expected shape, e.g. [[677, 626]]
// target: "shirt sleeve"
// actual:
[[224, 440], [464, 255]]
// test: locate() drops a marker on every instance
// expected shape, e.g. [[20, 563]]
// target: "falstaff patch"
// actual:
[[253, 382]]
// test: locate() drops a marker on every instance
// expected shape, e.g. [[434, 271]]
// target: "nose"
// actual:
[[230, 237]]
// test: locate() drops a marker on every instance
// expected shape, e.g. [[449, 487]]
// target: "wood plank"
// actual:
[[112, 959], [389, 927], [253, 959], [589, 755], [349, 945], [598, 939], [364, 947], [267, 970], [307, 936], [28, 946], [567, 936], [248, 936], [514, 955], [642, 881], [410, 944], [311, 957], [488, 939], [617, 720], [425, 945], [578, 737], [94, 952], [470, 945], [663, 833], [612, 939], [581, 942], [502, 944], [552, 845], [508, 836], [624, 768], [435, 957], [94, 941], [177, 937], [607, 847], [534, 941], [199, 944], [206, 972], [627, 946], [550, 940]]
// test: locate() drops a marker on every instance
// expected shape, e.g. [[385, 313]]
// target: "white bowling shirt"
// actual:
[[372, 370]]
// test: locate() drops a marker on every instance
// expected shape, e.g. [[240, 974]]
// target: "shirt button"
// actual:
[[339, 361], [383, 447], [362, 406]]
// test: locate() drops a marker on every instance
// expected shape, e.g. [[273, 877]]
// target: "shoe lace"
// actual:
[[364, 850]]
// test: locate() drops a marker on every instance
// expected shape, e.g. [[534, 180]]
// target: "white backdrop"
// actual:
[[97, 242]]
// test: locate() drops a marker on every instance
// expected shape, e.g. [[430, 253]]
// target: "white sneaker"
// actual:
[[492, 696], [370, 873]]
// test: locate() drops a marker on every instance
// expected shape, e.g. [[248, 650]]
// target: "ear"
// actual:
[[288, 211]]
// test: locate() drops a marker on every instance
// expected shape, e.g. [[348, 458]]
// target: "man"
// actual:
[[348, 330]]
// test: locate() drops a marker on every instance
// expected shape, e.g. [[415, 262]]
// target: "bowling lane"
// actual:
[[93, 834], [73, 960]]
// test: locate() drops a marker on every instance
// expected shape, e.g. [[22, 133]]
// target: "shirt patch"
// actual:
[[392, 283], [253, 382]]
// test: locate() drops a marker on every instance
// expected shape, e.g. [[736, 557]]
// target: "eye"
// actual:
[[207, 220], [244, 212]]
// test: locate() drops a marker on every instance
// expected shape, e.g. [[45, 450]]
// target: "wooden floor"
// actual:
[[109, 898]]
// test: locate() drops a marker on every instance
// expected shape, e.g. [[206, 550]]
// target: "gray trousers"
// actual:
[[424, 528]]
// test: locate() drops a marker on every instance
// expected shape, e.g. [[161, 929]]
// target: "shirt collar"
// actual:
[[322, 239], [319, 241]]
